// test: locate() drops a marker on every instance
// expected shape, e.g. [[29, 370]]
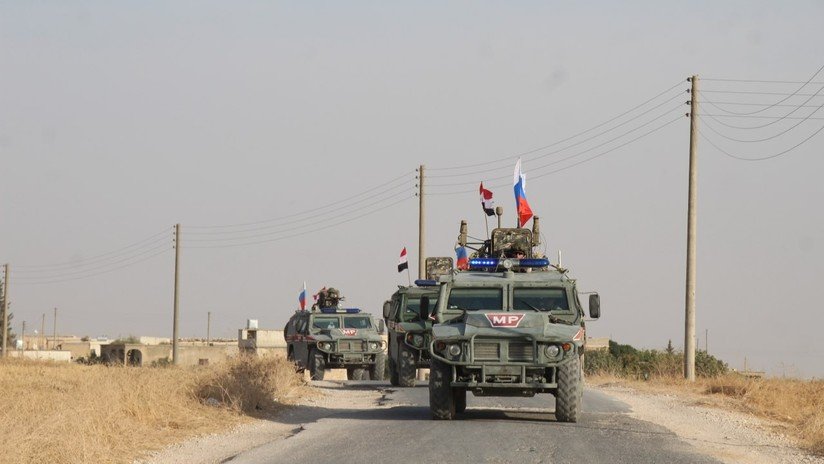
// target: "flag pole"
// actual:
[[408, 277]]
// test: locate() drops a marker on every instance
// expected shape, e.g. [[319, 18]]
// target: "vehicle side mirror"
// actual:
[[595, 306], [387, 306], [381, 326], [424, 308]]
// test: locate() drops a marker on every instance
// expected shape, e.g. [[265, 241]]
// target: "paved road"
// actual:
[[493, 430]]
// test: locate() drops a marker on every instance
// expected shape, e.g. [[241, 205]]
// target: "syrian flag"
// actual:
[[302, 298], [521, 205], [486, 201], [463, 259], [402, 262]]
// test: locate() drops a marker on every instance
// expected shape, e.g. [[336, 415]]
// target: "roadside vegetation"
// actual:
[[69, 413], [797, 405]]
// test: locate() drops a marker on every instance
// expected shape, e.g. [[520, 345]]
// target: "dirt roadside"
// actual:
[[731, 437]]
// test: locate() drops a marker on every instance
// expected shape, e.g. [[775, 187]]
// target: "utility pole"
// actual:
[[689, 319], [42, 341], [176, 314], [54, 339], [23, 335], [5, 309], [421, 226], [208, 327], [707, 341]]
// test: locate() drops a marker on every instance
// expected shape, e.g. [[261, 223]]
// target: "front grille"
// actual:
[[350, 345], [519, 351], [487, 351]]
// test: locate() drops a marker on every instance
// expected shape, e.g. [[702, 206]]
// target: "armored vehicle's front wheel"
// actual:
[[377, 371], [570, 391], [393, 373], [290, 356], [317, 365], [406, 366], [441, 396], [460, 399]]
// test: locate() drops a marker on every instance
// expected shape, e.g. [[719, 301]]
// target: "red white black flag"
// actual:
[[402, 262], [486, 201]]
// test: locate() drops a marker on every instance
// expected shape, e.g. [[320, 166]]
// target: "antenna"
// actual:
[[559, 259]]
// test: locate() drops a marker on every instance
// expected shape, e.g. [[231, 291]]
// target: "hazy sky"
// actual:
[[118, 120]]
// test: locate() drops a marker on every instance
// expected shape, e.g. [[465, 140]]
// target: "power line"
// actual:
[[783, 99], [761, 158], [56, 274], [245, 237], [758, 81], [568, 146], [533, 169], [756, 117], [317, 229], [98, 273], [574, 164], [757, 140], [352, 205], [81, 262], [511, 157], [304, 212], [745, 92]]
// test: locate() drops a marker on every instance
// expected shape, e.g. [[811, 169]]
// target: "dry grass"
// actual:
[[797, 404], [62, 413]]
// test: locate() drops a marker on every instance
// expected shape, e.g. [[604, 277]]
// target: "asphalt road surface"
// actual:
[[492, 430]]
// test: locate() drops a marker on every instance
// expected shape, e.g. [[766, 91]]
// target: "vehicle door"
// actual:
[[301, 344]]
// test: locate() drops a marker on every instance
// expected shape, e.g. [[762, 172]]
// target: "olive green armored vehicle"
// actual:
[[330, 337], [408, 334], [509, 325]]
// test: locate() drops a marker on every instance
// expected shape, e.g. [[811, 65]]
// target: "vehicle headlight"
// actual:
[[325, 346], [454, 350], [552, 351], [373, 346], [507, 264], [417, 340]]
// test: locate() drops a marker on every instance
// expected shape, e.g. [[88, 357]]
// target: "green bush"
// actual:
[[627, 361]]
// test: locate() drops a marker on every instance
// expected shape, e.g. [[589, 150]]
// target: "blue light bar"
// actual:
[[426, 283], [334, 310], [533, 262], [483, 263]]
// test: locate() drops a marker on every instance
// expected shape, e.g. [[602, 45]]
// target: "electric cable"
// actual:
[[54, 274], [507, 158], [761, 158], [267, 234], [98, 273], [301, 233], [560, 160], [544, 155], [305, 212]]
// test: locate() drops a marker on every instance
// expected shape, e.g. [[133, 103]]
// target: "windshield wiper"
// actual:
[[532, 307]]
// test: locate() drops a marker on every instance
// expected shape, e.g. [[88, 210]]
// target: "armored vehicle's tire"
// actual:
[[393, 373], [570, 391], [317, 365], [377, 371], [460, 399], [406, 366], [355, 373], [441, 396]]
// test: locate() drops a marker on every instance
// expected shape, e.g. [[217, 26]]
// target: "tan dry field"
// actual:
[[798, 405], [68, 413]]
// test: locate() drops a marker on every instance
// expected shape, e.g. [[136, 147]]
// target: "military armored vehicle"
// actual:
[[510, 325], [408, 333], [329, 336]]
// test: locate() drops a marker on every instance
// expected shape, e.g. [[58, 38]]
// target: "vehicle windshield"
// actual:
[[413, 307], [326, 322], [541, 299], [357, 322], [473, 299]]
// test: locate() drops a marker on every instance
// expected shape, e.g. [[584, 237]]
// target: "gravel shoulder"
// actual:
[[222, 447], [729, 436]]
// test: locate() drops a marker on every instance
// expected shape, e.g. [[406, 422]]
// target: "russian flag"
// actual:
[[463, 259], [486, 201], [302, 298], [521, 205]]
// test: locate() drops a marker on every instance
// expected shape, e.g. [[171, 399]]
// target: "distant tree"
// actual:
[[670, 349]]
